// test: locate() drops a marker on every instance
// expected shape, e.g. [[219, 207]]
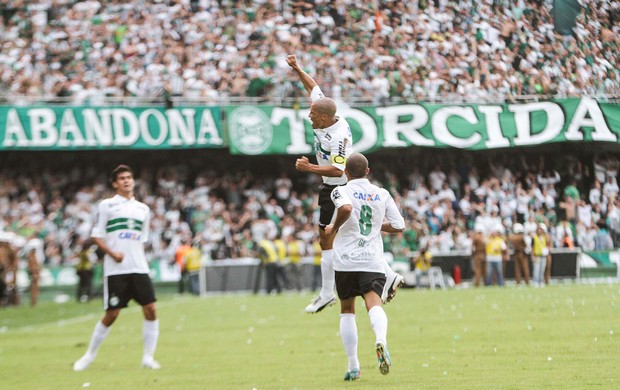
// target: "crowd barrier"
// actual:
[[246, 274], [564, 264]]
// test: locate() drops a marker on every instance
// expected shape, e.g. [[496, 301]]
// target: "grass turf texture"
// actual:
[[562, 336]]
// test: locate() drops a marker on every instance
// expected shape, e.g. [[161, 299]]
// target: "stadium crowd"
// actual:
[[220, 50], [229, 213], [216, 51]]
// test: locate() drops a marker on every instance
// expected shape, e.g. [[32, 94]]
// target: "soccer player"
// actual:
[[363, 212], [120, 230], [333, 145]]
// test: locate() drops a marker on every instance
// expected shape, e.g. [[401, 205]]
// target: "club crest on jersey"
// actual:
[[366, 197], [336, 194]]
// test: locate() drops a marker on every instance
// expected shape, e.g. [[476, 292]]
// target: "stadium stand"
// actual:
[[85, 52], [214, 52], [441, 203]]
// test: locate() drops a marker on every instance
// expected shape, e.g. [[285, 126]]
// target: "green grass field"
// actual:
[[564, 336]]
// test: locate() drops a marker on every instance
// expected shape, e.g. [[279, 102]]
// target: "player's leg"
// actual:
[[326, 296], [144, 294], [100, 333], [115, 297], [393, 282], [372, 285], [348, 324]]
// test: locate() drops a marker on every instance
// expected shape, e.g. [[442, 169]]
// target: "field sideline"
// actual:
[[563, 336]]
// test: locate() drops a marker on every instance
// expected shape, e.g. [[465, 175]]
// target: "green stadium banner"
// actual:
[[255, 130], [73, 128], [261, 130]]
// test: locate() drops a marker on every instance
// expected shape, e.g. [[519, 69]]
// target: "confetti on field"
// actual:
[[549, 358]]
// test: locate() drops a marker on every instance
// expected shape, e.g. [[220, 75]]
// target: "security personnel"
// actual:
[[268, 254], [518, 244]]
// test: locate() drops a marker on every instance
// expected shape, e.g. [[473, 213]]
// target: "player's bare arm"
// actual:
[[304, 165], [305, 78], [388, 228], [343, 213], [117, 256]]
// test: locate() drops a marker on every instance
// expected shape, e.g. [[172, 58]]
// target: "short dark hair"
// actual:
[[356, 165], [118, 170]]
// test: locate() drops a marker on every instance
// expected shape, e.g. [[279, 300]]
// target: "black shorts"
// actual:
[[354, 284], [118, 290], [326, 206]]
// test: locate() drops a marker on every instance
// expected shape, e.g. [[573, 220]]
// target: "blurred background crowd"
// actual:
[[214, 51], [219, 51], [228, 210]]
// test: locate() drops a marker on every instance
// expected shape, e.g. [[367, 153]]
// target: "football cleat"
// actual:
[[82, 363], [383, 356], [389, 290], [352, 375], [150, 363], [319, 304]]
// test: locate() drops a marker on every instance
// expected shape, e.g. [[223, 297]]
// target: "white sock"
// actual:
[[150, 334], [328, 277], [99, 334], [348, 334], [389, 274], [379, 323]]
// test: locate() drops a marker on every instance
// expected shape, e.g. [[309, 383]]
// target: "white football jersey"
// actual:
[[358, 245], [333, 144], [124, 226]]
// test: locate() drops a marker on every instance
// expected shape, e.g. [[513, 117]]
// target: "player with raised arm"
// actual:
[[120, 230], [363, 212], [333, 143]]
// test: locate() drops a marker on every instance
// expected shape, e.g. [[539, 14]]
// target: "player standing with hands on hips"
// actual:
[[333, 144], [363, 212], [121, 229]]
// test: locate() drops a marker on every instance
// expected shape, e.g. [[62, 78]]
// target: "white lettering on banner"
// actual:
[[110, 127], [14, 135], [145, 131], [555, 122], [480, 126], [295, 126], [42, 121], [392, 128], [180, 128], [443, 134], [125, 136], [495, 137], [207, 127], [366, 122], [601, 131], [70, 128], [98, 128]]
